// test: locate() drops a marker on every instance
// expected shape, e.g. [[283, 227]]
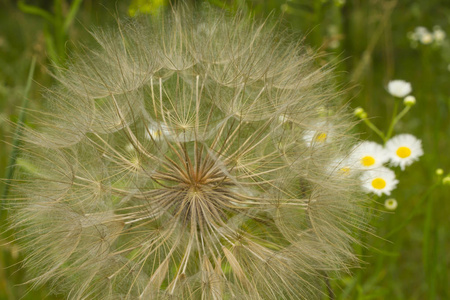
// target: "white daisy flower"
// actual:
[[438, 34], [344, 167], [399, 88], [157, 133], [404, 149], [426, 38], [283, 119], [390, 204], [379, 181], [421, 30], [369, 155], [323, 134]]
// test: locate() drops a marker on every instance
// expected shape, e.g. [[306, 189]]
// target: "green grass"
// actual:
[[407, 255]]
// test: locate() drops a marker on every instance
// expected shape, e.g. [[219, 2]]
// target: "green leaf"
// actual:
[[18, 133], [37, 11], [72, 13]]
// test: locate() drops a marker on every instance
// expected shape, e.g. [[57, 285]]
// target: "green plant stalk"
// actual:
[[375, 129], [34, 10], [60, 34], [395, 119], [428, 251], [74, 7], [402, 114], [18, 132], [417, 210], [56, 30], [393, 122]]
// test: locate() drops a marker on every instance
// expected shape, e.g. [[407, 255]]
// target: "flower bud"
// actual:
[[409, 100], [439, 172], [390, 204], [360, 113], [446, 180]]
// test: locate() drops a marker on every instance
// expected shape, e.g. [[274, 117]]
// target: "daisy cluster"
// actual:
[[421, 35], [371, 161], [368, 160]]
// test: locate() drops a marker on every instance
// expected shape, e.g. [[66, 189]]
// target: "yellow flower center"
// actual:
[[403, 152], [378, 183], [345, 170], [321, 137], [155, 133], [367, 161]]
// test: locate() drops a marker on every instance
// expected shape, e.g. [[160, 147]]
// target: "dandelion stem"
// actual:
[[17, 134], [331, 294]]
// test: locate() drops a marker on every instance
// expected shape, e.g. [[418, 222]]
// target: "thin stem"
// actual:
[[18, 133], [374, 128], [331, 294], [418, 209], [402, 114], [393, 122], [427, 249]]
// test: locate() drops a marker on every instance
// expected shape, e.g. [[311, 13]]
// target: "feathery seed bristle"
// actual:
[[187, 157]]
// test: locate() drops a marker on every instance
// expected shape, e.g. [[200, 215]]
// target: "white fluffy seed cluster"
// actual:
[[187, 157]]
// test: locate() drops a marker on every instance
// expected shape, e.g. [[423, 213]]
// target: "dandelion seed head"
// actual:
[[186, 157]]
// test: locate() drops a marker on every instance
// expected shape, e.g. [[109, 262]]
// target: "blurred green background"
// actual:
[[370, 41]]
